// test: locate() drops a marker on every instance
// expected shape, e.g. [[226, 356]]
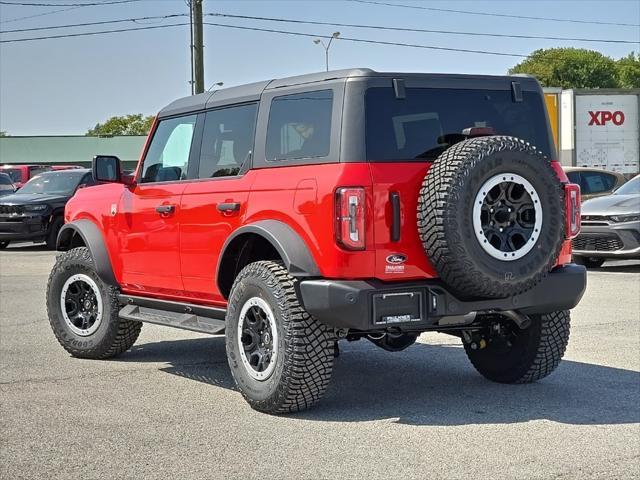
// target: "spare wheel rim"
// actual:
[[507, 216]]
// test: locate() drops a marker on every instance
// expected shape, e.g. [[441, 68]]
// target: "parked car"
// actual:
[[35, 212], [594, 182], [610, 227], [21, 174], [64, 167], [352, 204], [6, 185]]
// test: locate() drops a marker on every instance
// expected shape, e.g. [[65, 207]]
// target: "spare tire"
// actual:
[[491, 216]]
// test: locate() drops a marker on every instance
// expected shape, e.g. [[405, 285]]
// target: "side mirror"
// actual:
[[106, 168]]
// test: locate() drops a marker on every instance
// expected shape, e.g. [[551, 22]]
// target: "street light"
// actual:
[[317, 41], [217, 84]]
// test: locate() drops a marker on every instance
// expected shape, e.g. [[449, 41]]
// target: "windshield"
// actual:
[[429, 120], [58, 183], [630, 188], [14, 173]]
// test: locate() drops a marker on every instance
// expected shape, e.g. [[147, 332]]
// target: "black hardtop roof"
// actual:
[[253, 91]]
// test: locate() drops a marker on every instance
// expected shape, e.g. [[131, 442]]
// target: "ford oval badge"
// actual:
[[396, 258]]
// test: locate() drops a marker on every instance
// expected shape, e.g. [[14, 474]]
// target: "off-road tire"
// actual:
[[536, 351], [445, 217], [52, 234], [305, 346], [589, 262], [114, 335]]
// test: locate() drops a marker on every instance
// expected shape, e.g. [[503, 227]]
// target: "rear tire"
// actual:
[[527, 355], [87, 323], [589, 262], [280, 357]]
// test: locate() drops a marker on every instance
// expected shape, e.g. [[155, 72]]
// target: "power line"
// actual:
[[34, 4], [362, 40], [38, 15], [419, 30], [101, 32], [105, 22], [522, 17], [269, 30]]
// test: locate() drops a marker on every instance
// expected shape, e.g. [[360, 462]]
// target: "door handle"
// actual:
[[165, 210], [228, 207]]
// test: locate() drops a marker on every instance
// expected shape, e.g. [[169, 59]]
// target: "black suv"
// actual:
[[36, 211]]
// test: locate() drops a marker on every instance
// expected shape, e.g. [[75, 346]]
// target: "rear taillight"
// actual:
[[350, 224], [572, 199]]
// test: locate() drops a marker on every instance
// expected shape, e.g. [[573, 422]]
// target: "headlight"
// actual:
[[625, 218], [35, 208]]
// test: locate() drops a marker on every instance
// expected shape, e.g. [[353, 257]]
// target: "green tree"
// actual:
[[628, 69], [4, 134], [135, 124], [570, 68]]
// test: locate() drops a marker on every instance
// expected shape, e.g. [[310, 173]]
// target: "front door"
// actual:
[[213, 206], [148, 213]]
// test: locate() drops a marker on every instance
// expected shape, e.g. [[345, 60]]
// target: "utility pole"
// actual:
[[192, 82], [198, 48]]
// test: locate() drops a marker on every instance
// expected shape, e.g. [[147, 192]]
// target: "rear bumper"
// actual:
[[368, 305], [608, 241]]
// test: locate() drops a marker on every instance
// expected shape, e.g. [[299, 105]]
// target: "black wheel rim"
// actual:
[[81, 304], [507, 216], [257, 338]]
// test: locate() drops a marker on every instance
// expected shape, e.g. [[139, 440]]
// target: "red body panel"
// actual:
[[406, 179], [176, 256]]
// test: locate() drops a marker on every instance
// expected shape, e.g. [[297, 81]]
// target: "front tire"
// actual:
[[280, 357], [54, 229], [521, 356], [83, 310]]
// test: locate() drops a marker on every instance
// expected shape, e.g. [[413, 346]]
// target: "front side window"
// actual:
[[168, 154], [300, 126], [227, 141]]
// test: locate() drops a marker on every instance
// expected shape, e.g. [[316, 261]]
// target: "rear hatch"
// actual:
[[407, 128]]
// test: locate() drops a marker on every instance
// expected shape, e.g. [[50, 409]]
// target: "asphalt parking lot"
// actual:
[[168, 407]]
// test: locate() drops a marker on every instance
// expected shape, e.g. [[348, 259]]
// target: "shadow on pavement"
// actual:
[[428, 385]]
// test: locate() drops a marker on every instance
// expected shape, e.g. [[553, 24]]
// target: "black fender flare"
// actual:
[[290, 246], [94, 241]]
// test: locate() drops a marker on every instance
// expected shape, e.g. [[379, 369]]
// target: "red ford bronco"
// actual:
[[290, 214]]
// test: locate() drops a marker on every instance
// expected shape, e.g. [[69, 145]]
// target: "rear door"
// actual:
[[148, 212], [406, 133], [213, 205]]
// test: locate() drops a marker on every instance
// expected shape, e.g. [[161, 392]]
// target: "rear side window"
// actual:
[[33, 171], [168, 154], [227, 141], [594, 182], [429, 120], [14, 173], [300, 126]]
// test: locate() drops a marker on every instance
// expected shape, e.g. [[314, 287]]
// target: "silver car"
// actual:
[[610, 227]]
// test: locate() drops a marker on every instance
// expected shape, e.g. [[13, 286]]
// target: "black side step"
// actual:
[[187, 316]]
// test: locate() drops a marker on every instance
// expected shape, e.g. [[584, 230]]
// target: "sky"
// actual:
[[65, 86]]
